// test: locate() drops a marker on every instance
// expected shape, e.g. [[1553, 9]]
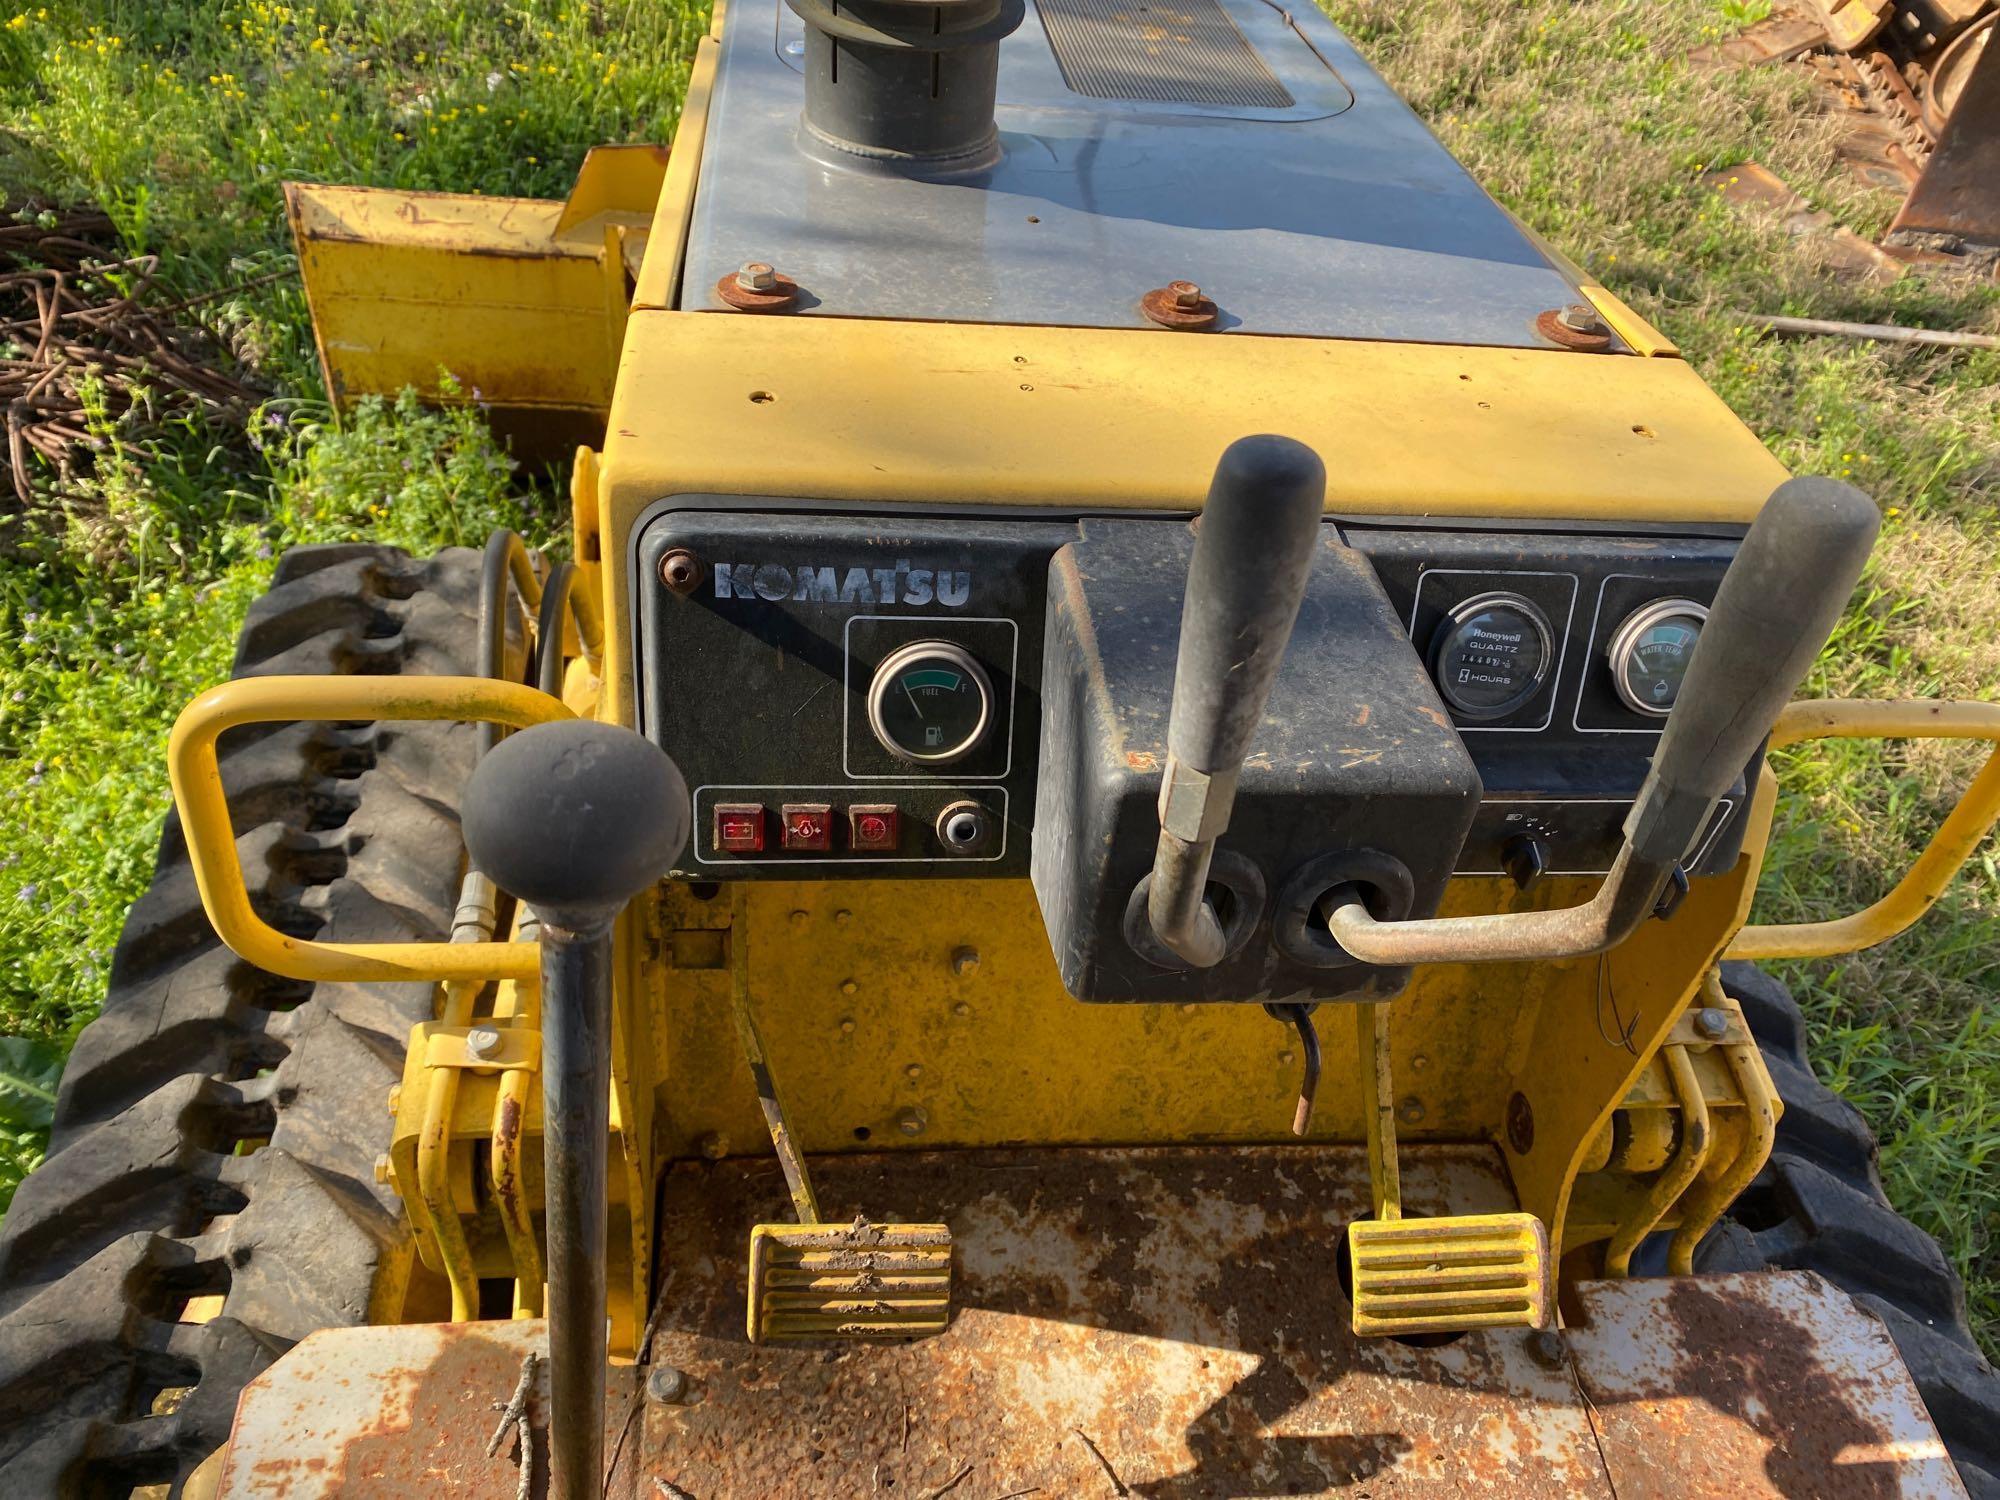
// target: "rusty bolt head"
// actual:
[[482, 1041], [1712, 1022], [667, 1385], [758, 288], [1520, 1123], [1576, 326], [912, 1121], [1547, 1348], [681, 570], [964, 961], [1411, 1110], [1580, 317], [714, 1145], [1180, 305]]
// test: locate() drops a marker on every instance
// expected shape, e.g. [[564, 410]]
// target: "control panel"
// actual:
[[847, 696], [1558, 658], [856, 695]]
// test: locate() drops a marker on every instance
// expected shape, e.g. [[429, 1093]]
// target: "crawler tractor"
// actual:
[[1121, 863]]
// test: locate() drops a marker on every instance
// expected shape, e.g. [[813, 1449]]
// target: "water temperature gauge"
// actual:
[[930, 703], [1651, 652]]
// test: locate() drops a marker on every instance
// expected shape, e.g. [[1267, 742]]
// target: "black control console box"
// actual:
[[1356, 775]]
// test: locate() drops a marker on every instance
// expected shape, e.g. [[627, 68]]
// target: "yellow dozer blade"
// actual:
[[517, 304]]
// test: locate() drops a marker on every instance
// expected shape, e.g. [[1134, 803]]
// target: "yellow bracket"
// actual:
[[211, 838], [1960, 833]]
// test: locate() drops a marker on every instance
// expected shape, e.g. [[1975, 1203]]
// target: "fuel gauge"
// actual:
[[930, 703], [1651, 651]]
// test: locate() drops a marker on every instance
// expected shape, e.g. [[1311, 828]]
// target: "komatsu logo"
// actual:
[[901, 584]]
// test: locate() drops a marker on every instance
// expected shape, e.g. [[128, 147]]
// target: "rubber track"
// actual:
[[1819, 1206], [156, 1188]]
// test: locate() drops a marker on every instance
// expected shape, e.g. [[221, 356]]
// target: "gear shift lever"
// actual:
[[1253, 549]]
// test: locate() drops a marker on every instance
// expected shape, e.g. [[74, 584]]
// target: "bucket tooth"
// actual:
[[1449, 1275], [848, 1281]]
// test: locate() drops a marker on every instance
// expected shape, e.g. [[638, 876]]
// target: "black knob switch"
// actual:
[[1526, 858]]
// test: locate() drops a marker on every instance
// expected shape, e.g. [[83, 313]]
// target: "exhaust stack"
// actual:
[[903, 85]]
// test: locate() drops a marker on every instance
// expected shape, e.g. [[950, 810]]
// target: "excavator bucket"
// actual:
[[848, 1281], [516, 304]]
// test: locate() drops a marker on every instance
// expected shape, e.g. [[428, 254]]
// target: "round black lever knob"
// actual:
[[575, 818]]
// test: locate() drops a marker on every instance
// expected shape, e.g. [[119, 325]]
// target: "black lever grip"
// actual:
[[1253, 549], [1778, 604]]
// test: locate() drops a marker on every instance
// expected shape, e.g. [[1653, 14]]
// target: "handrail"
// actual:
[[211, 838], [1932, 873]]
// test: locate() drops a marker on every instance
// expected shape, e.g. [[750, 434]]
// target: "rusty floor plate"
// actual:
[[1773, 1384], [1159, 1322], [376, 1413]]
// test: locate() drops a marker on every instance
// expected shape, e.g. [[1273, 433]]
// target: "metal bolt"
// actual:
[[848, 987], [964, 961], [756, 276], [912, 1121], [1186, 294], [800, 918], [842, 918], [847, 1026], [680, 570], [482, 1041], [1411, 1111], [1547, 1348], [961, 1009], [714, 1145], [1419, 1063], [1285, 1056], [914, 1071], [1712, 1022], [383, 1170], [1580, 317], [667, 1385]]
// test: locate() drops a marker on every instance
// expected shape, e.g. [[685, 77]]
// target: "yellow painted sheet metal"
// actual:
[[853, 410], [1962, 831], [877, 1038]]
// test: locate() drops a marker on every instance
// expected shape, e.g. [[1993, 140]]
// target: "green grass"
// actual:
[[183, 118]]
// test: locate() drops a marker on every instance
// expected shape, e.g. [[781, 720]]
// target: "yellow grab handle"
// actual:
[[1956, 838], [211, 842]]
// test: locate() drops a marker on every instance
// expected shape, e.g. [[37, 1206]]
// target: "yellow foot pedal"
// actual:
[[1449, 1275], [849, 1281]]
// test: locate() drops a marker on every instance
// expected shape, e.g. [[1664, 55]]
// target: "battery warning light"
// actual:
[[739, 828]]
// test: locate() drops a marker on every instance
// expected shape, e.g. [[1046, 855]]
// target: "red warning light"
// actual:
[[807, 825], [875, 829], [739, 828]]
